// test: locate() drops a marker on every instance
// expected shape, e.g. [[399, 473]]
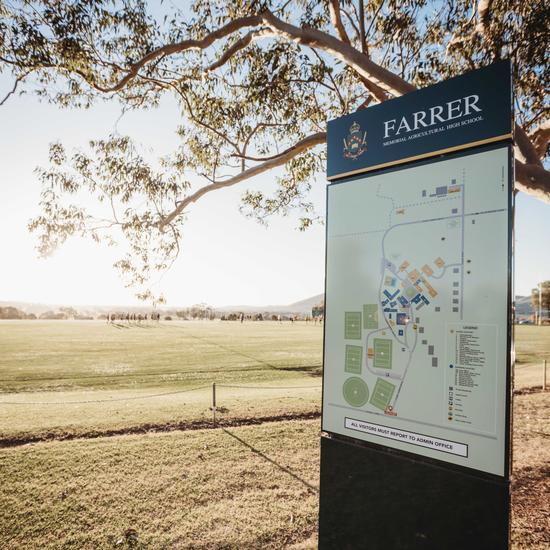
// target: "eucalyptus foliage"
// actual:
[[256, 82]]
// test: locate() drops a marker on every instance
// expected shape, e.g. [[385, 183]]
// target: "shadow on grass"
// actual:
[[271, 461], [7, 441], [310, 369], [134, 324]]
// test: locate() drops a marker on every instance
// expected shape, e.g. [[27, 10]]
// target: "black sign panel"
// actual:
[[472, 109], [377, 235]]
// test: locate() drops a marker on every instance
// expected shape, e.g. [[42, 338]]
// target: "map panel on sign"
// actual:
[[416, 304]]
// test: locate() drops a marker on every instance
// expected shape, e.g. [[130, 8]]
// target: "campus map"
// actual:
[[416, 312]]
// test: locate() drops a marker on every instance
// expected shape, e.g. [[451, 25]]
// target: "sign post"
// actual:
[[415, 450]]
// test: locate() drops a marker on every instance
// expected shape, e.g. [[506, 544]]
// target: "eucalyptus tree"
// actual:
[[540, 301], [256, 82]]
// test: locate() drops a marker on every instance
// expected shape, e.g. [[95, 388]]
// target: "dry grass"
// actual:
[[247, 487], [58, 421], [250, 487], [531, 471], [531, 452]]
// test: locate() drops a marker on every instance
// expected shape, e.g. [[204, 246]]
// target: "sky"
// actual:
[[226, 259]]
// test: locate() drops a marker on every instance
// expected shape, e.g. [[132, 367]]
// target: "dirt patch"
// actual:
[[531, 470], [9, 442], [531, 507]]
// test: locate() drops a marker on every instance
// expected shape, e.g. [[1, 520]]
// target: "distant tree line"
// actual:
[[10, 312], [540, 300], [198, 312]]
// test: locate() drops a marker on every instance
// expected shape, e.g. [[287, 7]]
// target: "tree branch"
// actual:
[[336, 18], [290, 153], [351, 22], [365, 67], [362, 38], [258, 126], [360, 63], [14, 88], [374, 18], [377, 92], [335, 86], [540, 138], [525, 147], [239, 45], [170, 49], [533, 180], [273, 157], [484, 14]]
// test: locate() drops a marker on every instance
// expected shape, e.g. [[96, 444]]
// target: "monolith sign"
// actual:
[[417, 362]]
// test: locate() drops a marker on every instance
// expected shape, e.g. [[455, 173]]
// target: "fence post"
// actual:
[[544, 376], [214, 402]]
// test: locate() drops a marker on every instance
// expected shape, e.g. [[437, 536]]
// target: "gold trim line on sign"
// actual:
[[422, 156]]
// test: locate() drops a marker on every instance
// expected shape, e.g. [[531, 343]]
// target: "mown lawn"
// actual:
[[532, 344], [84, 355], [61, 378]]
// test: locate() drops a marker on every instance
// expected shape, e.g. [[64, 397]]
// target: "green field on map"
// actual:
[[416, 309]]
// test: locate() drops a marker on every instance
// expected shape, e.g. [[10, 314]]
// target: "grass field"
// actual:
[[77, 378], [82, 355], [233, 487]]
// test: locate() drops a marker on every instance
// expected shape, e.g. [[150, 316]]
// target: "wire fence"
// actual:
[[266, 387], [112, 400], [214, 385], [260, 366]]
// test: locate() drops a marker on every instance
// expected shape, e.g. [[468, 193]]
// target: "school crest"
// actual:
[[356, 142]]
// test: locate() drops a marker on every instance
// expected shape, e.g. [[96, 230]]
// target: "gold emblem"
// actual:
[[356, 142]]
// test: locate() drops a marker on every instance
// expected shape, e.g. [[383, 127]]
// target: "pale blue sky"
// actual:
[[226, 258]]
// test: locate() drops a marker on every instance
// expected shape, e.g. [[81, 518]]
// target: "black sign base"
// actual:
[[374, 499]]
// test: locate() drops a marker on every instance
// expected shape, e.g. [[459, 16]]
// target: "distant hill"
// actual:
[[303, 306], [523, 307]]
